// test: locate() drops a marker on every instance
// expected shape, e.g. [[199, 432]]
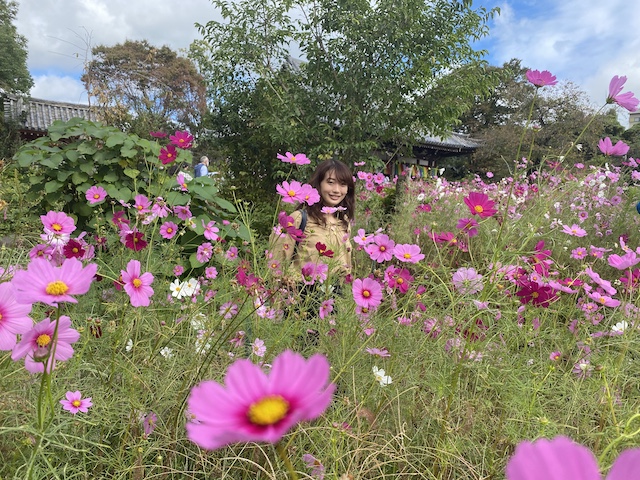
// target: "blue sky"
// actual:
[[582, 41]]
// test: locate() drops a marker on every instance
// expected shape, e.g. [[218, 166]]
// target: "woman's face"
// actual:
[[331, 190]]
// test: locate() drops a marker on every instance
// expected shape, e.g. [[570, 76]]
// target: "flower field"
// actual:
[[155, 335]]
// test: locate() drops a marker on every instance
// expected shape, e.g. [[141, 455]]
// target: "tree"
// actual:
[[373, 74], [140, 87], [518, 121], [14, 75]]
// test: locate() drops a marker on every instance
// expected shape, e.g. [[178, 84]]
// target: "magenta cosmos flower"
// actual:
[[367, 293], [137, 285], [625, 100], [57, 223], [37, 346], [74, 402], [607, 148], [541, 78], [479, 204], [14, 317], [297, 159], [182, 140], [96, 195], [42, 282], [253, 406], [408, 252], [562, 459], [168, 154]]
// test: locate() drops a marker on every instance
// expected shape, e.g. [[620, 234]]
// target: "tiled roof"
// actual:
[[453, 141], [37, 115]]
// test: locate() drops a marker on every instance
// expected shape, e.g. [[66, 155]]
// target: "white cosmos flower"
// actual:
[[166, 352], [381, 377], [177, 289], [620, 327]]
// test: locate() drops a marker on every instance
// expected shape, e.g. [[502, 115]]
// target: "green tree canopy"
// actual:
[[141, 87], [372, 74], [14, 75]]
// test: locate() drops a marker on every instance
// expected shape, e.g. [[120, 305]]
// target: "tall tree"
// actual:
[[142, 87], [14, 75], [372, 74]]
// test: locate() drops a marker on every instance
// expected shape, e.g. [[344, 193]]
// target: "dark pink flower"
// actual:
[[541, 79], [182, 140], [168, 154], [253, 406], [135, 241], [479, 204]]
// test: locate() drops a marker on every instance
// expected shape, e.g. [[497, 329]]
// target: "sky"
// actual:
[[585, 42]]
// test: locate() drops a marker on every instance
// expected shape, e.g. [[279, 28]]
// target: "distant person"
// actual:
[[201, 169]]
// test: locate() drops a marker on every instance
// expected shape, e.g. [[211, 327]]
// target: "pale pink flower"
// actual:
[[57, 223], [211, 231], [297, 159], [142, 204], [574, 230], [381, 249], [168, 230], [137, 285], [367, 293], [467, 281], [625, 100], [291, 192], [204, 252], [258, 348], [95, 195], [624, 262], [309, 195], [74, 402], [541, 78], [608, 149], [406, 252], [14, 317]]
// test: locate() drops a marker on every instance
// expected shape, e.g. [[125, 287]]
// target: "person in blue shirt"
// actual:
[[201, 169]]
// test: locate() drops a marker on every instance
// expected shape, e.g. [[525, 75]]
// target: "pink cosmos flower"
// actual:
[[607, 148], [479, 204], [398, 278], [309, 194], [258, 348], [73, 249], [312, 272], [231, 254], [182, 182], [469, 226], [142, 204], [182, 140], [256, 407], [74, 403], [367, 293], [467, 281], [407, 252], [183, 212], [149, 422], [291, 192], [381, 249], [168, 154], [326, 308], [539, 295], [211, 273], [96, 195], [137, 285], [297, 159], [37, 346], [57, 223], [603, 299], [228, 310], [541, 79], [14, 317], [579, 253], [168, 230], [43, 282], [574, 230], [624, 262], [211, 231], [378, 352], [362, 238], [625, 100], [602, 283], [160, 208], [562, 459], [555, 356], [316, 466], [204, 252]]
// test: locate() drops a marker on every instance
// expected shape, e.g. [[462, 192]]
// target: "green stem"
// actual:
[[282, 453]]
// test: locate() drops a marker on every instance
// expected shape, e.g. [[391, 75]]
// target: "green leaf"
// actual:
[[86, 166], [225, 204], [194, 261], [35, 179], [54, 161], [177, 198], [62, 175], [52, 186], [128, 152], [79, 177], [26, 158], [110, 177], [87, 148], [114, 139], [131, 172]]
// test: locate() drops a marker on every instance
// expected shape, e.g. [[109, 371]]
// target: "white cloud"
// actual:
[[60, 88]]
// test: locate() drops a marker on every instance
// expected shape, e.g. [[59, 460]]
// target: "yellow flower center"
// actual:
[[76, 403], [43, 340], [57, 227], [293, 159], [478, 209], [57, 288], [366, 293], [407, 255], [96, 196], [137, 282], [291, 193], [169, 230], [399, 281], [269, 410], [74, 249], [535, 295], [382, 248]]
